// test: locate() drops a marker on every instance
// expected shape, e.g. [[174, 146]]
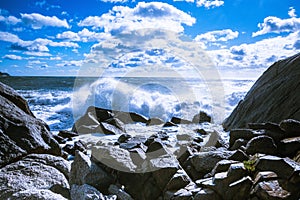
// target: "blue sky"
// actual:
[[69, 38]]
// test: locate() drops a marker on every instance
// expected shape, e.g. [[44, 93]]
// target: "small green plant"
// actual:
[[250, 164]]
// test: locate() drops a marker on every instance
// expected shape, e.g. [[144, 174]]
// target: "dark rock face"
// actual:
[[20, 132], [99, 120], [11, 95], [274, 96], [201, 117]]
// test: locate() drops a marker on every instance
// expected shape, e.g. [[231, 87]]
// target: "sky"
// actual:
[[92, 37]]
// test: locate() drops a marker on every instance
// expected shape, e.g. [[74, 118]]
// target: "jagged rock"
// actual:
[[265, 176], [178, 181], [222, 166], [121, 194], [238, 144], [154, 121], [87, 192], [291, 127], [114, 157], [270, 190], [204, 162], [207, 194], [201, 117], [20, 132], [240, 189], [246, 134], [181, 194], [270, 126], [169, 124], [201, 131], [261, 144], [83, 171], [111, 129], [277, 164], [272, 98], [30, 176], [177, 120], [67, 134], [289, 146], [239, 155], [124, 138], [11, 95], [130, 117], [71, 148]]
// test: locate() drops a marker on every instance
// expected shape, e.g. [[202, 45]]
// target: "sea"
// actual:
[[59, 101]]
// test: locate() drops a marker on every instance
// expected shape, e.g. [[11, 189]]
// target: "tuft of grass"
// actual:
[[250, 164]]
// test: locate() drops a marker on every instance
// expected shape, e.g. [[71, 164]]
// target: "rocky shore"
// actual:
[[257, 158]]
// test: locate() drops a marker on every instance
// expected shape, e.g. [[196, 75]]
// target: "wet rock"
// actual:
[[265, 176], [201, 117], [154, 121], [130, 117], [110, 129], [39, 172], [181, 194], [67, 134], [83, 171], [261, 144], [291, 127], [222, 166], [124, 138], [240, 189], [177, 120], [169, 124], [273, 97], [60, 139], [201, 131], [270, 126]]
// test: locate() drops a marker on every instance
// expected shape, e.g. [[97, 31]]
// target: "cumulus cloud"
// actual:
[[84, 36], [209, 3], [274, 24], [38, 21], [217, 36], [292, 12], [260, 54], [39, 44], [144, 15], [10, 20], [12, 57]]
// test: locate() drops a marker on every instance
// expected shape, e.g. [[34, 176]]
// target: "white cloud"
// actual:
[[71, 63], [37, 21], [292, 12], [143, 16], [36, 53], [12, 57], [260, 54], [209, 3], [273, 24], [84, 36], [9, 37], [217, 36], [38, 44], [11, 20]]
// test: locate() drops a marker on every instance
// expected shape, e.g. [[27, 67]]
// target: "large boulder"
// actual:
[[33, 177], [274, 96], [20, 132]]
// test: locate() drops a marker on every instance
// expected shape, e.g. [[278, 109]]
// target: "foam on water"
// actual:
[[164, 98]]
